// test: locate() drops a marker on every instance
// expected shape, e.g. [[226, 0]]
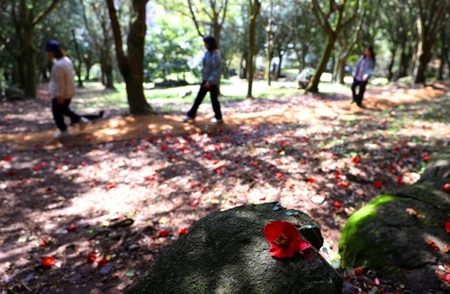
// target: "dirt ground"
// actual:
[[117, 188]]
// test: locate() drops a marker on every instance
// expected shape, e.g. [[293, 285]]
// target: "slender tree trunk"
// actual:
[[30, 71], [280, 58], [424, 57], [341, 70], [79, 60], [313, 85], [254, 11], [392, 62]]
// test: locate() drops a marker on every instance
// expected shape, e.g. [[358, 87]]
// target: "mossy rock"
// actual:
[[226, 252], [388, 236]]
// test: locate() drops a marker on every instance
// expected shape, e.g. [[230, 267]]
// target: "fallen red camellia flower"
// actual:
[[48, 261], [72, 228], [182, 231], [284, 239], [7, 158]]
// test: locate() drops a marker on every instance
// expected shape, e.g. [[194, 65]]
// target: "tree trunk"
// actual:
[[134, 76], [340, 72], [280, 58], [254, 11], [132, 66], [30, 71], [405, 59], [391, 63], [313, 85], [424, 57]]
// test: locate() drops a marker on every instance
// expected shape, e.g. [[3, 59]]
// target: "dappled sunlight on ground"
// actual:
[[321, 158]]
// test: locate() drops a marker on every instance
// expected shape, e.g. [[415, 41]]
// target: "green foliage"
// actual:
[[172, 47]]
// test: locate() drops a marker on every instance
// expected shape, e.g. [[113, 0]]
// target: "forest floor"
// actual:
[[117, 188]]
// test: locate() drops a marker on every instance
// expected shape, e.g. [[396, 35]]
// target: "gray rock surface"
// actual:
[[226, 252]]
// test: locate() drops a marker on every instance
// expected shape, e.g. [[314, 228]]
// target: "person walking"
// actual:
[[210, 82], [62, 89], [361, 74]]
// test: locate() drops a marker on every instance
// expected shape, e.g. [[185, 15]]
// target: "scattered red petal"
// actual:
[[7, 158], [36, 168], [110, 186], [48, 261], [337, 204], [426, 158], [279, 175], [43, 243], [377, 184], [311, 180], [358, 271], [88, 138], [102, 262], [396, 148], [356, 159], [164, 147], [446, 187], [433, 245], [447, 226], [182, 231], [72, 228], [208, 156], [447, 278], [91, 258], [91, 184], [163, 233], [194, 202], [400, 180], [376, 281], [342, 184], [11, 172]]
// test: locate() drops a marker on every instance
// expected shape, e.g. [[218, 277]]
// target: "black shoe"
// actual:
[[359, 105]]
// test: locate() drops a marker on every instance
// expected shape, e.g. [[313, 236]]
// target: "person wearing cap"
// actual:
[[212, 65], [62, 89]]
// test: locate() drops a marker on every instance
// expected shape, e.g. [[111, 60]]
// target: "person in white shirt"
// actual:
[[362, 72], [62, 89]]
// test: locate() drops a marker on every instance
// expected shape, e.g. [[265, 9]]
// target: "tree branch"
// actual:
[[117, 32], [194, 18], [44, 13]]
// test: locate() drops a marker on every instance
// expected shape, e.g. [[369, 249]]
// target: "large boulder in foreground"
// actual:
[[402, 234], [226, 252]]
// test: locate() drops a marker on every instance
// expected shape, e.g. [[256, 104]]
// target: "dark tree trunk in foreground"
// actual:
[[132, 65]]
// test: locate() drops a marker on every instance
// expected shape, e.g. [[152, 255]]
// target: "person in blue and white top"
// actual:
[[361, 73], [212, 68]]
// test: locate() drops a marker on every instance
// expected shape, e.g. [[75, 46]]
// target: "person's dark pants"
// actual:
[[214, 94], [59, 110], [362, 88]]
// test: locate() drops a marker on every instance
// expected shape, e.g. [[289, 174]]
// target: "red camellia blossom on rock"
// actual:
[[48, 261], [284, 239]]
